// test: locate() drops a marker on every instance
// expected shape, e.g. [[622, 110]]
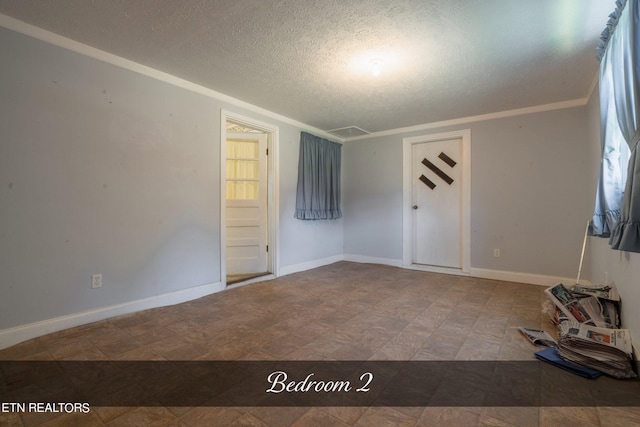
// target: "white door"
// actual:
[[437, 204], [246, 200]]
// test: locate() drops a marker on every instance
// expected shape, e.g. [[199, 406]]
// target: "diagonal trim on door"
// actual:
[[427, 182], [446, 178], [448, 160]]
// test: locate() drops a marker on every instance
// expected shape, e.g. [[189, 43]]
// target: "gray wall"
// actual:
[[529, 193], [302, 241], [103, 170], [621, 268]]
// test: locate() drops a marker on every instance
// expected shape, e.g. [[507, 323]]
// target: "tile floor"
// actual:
[[344, 311]]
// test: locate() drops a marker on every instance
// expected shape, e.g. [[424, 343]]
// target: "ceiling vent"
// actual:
[[348, 132]]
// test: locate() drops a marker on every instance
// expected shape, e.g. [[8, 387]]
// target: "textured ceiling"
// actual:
[[300, 58]]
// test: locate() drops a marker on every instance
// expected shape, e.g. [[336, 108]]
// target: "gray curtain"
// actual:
[[621, 56], [613, 167], [318, 194]]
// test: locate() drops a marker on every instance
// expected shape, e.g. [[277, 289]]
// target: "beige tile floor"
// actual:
[[345, 311]]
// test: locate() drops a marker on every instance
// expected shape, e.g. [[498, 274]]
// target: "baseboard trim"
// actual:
[[303, 266], [18, 334], [528, 278], [435, 269], [15, 335], [373, 260], [481, 273]]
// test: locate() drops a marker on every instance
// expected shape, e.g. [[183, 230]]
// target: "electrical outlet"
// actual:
[[496, 253], [96, 281]]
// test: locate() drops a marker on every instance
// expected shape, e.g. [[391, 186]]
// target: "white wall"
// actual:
[[621, 268], [529, 193], [104, 170]]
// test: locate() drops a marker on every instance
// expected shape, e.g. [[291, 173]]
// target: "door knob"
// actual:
[[415, 206]]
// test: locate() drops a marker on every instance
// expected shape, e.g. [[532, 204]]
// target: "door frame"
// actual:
[[273, 137], [407, 202]]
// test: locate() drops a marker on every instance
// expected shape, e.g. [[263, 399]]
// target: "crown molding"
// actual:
[[83, 49], [92, 52], [472, 119]]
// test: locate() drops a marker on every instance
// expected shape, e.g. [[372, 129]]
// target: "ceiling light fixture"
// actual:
[[375, 66]]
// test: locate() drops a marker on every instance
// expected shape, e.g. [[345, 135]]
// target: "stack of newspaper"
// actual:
[[588, 320], [537, 336], [590, 305], [607, 297], [606, 350]]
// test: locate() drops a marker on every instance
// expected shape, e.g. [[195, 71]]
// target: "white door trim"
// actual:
[[272, 189], [407, 227]]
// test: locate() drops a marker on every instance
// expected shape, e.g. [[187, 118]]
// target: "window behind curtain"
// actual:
[[318, 193], [620, 103], [613, 169]]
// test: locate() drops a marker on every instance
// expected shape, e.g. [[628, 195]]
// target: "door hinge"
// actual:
[[267, 248], [267, 151]]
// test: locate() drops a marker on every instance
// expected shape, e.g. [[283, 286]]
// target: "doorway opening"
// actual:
[[248, 200]]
